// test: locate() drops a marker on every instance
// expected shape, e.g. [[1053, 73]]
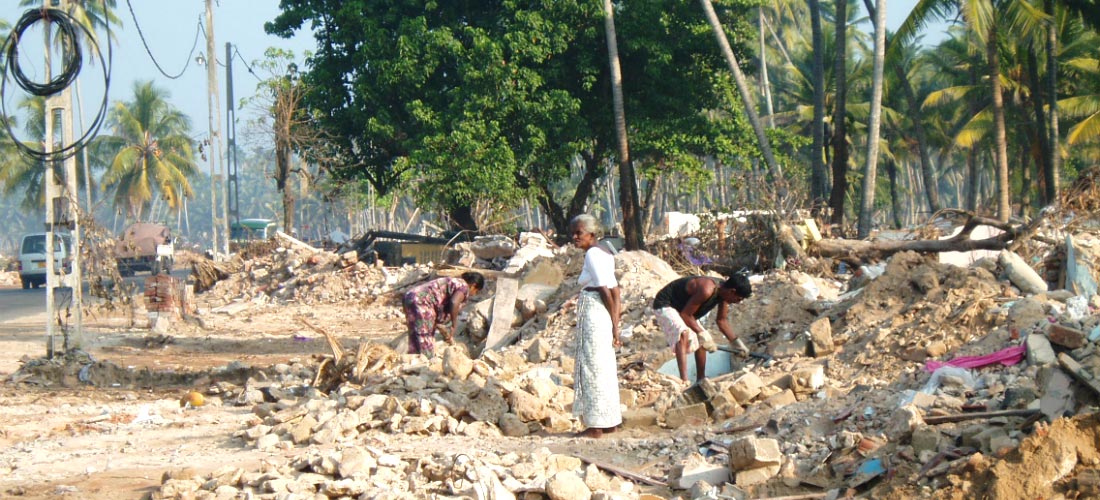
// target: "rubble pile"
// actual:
[[493, 395], [369, 471], [934, 375], [308, 277]]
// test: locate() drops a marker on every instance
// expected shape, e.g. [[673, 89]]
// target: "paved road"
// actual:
[[16, 302]]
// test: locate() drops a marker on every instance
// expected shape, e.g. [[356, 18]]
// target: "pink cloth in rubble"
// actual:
[[1006, 357]]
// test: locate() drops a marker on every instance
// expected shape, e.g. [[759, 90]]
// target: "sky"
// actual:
[[170, 26]]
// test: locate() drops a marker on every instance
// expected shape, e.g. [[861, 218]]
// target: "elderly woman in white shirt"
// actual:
[[595, 374]]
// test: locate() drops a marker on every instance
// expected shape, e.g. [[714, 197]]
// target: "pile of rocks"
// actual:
[[369, 471], [304, 276], [842, 391]]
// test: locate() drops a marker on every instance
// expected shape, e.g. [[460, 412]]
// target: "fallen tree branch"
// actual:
[[863, 250], [333, 343]]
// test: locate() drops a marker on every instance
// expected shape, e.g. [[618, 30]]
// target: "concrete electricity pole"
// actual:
[[63, 290], [218, 212]]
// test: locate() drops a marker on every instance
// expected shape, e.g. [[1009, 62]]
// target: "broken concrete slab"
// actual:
[[504, 307]]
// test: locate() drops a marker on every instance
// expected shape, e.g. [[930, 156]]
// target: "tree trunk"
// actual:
[[1053, 175], [1039, 122], [765, 85], [282, 179], [1000, 143], [818, 177], [743, 89], [840, 112], [1026, 160], [866, 250], [628, 185], [895, 201], [867, 207]]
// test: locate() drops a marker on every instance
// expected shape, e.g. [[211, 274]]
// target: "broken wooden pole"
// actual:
[[943, 419], [296, 243], [633, 476], [1079, 372]]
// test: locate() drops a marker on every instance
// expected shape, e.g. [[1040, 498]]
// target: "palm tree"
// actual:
[[840, 114], [150, 149], [988, 20], [18, 172], [743, 89], [875, 121], [1086, 107]]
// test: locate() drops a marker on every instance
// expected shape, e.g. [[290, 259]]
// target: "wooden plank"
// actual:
[[1079, 372], [614, 469], [504, 308], [296, 243], [943, 419]]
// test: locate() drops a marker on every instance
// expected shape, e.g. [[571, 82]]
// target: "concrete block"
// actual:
[[640, 417], [1066, 336], [821, 338], [727, 411], [750, 452], [926, 438], [750, 477], [746, 387], [1039, 351], [807, 380], [695, 414], [723, 399], [686, 475], [781, 399]]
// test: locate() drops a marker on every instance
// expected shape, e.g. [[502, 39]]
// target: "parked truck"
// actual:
[[144, 246]]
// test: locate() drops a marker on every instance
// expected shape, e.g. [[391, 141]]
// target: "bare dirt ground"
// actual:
[[116, 440]]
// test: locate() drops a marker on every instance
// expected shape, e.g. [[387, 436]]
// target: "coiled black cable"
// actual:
[[72, 57], [72, 64]]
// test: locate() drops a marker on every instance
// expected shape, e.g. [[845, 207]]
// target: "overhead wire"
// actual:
[[237, 53], [212, 56], [141, 34]]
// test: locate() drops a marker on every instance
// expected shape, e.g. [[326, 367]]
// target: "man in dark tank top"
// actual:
[[679, 306]]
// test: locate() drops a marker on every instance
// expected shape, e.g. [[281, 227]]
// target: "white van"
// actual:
[[32, 257]]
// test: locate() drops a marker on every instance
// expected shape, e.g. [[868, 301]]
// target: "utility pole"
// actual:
[[213, 104], [232, 194], [63, 289]]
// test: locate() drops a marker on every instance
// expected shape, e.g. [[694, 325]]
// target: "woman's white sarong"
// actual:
[[595, 372]]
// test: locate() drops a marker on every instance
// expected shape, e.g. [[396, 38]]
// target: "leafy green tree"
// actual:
[[459, 102], [150, 151]]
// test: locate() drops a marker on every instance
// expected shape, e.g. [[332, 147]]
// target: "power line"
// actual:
[[212, 56], [237, 53], [141, 34]]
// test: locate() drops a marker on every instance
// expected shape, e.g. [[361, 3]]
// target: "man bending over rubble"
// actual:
[[678, 307]]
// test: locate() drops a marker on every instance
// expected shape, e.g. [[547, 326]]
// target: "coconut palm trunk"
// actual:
[[743, 89], [819, 182], [1053, 177], [840, 113], [628, 187], [1000, 142], [867, 206]]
